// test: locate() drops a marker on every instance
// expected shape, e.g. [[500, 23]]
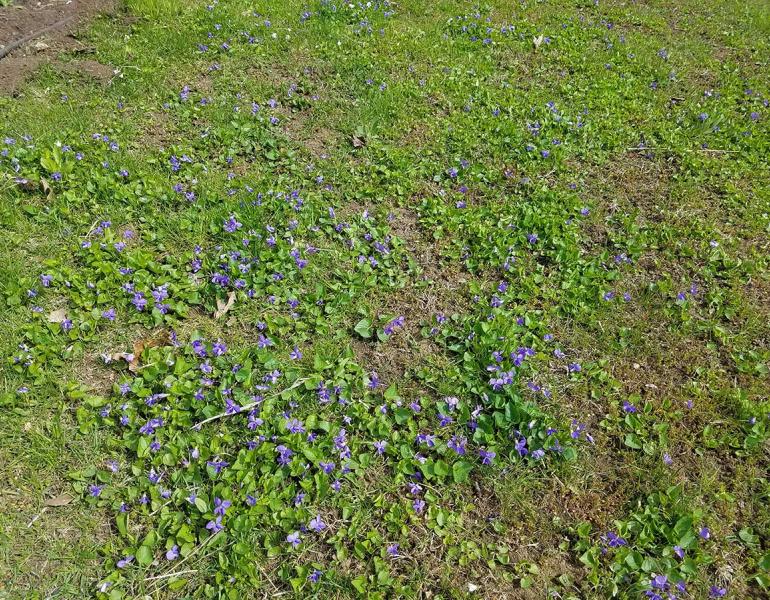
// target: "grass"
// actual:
[[548, 222]]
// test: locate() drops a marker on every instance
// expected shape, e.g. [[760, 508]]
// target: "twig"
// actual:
[[250, 405], [90, 230], [36, 517], [138, 368], [160, 508], [174, 574], [651, 149]]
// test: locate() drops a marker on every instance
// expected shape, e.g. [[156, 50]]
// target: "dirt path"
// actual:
[[46, 28]]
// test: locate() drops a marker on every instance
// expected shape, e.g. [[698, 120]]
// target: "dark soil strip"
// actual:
[[32, 36], [53, 22]]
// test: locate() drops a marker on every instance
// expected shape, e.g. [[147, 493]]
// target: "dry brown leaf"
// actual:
[[223, 307], [47, 189], [142, 344], [133, 361], [61, 500], [358, 142], [121, 356], [57, 316]]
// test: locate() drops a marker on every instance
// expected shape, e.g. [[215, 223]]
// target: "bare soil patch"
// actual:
[[89, 69], [439, 287], [46, 29], [91, 371], [635, 182], [158, 132]]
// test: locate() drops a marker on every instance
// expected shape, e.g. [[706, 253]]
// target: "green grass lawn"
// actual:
[[390, 300]]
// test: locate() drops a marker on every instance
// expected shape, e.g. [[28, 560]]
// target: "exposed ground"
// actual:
[[35, 33]]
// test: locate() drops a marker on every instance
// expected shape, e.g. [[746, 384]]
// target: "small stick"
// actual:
[[161, 508], [92, 228], [172, 574], [640, 148], [36, 517], [249, 405]]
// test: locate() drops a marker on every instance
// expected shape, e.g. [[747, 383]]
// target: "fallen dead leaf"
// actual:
[[61, 500], [223, 307], [57, 316], [143, 344], [120, 356], [49, 195]]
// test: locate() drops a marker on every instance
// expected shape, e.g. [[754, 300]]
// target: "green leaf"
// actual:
[[634, 560], [460, 470], [177, 583], [632, 441], [143, 446], [648, 565], [402, 415], [391, 394], [360, 584], [144, 555], [312, 455], [748, 536], [364, 328], [682, 526], [122, 521], [584, 529], [49, 164]]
